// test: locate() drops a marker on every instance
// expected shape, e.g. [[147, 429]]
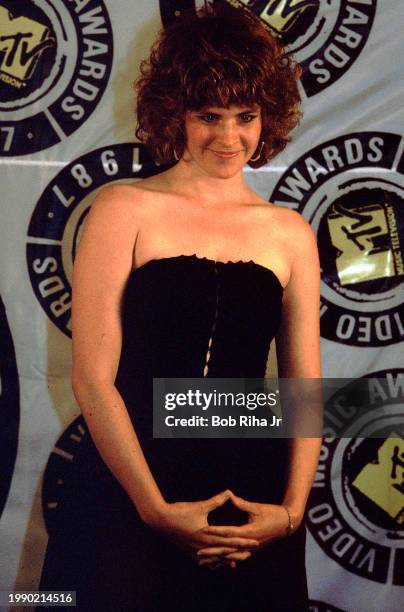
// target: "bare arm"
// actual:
[[298, 351], [101, 270]]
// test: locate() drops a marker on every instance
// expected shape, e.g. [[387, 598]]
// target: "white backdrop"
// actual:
[[67, 128]]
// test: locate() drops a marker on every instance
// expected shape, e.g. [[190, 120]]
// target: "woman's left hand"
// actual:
[[266, 523]]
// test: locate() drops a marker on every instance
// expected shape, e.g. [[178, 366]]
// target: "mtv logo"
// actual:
[[281, 15], [22, 40], [358, 234], [382, 481]]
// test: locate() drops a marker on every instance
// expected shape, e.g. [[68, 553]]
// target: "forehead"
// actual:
[[229, 111]]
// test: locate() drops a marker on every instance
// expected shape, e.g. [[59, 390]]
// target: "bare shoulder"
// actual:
[[292, 226], [287, 218], [126, 199], [122, 208]]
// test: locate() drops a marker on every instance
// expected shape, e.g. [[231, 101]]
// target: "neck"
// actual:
[[193, 183]]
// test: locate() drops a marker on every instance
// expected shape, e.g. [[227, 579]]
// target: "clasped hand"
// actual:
[[186, 523]]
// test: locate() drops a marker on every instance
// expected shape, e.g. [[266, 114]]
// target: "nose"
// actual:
[[227, 134]]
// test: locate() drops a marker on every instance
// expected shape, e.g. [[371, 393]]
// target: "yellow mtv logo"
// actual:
[[22, 40], [383, 481], [357, 234], [280, 15]]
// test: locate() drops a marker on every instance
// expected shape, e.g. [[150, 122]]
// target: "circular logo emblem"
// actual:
[[58, 469], [9, 407], [56, 224], [356, 508], [324, 37], [348, 190], [55, 62]]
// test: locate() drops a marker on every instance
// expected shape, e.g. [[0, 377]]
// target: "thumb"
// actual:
[[218, 500], [241, 503]]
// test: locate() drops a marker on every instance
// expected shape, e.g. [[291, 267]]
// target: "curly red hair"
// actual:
[[217, 57]]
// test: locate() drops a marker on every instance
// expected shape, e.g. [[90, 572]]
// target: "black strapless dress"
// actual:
[[99, 546]]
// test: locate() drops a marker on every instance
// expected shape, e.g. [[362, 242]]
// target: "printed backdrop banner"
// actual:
[[67, 129]]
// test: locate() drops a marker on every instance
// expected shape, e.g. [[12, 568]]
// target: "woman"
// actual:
[[185, 274]]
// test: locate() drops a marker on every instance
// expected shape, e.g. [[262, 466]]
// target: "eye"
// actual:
[[247, 117], [208, 117]]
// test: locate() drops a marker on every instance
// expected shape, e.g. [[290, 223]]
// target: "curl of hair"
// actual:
[[217, 57]]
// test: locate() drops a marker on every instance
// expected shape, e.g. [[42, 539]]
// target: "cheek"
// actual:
[[257, 129], [256, 135], [251, 137], [199, 137]]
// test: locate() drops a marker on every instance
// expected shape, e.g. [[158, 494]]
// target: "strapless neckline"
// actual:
[[195, 258]]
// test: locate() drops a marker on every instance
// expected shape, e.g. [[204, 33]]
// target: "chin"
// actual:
[[225, 172], [220, 169]]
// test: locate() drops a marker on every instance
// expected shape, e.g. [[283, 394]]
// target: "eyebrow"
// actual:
[[208, 109]]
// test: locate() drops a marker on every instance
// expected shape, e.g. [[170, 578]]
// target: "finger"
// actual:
[[218, 500], [238, 556], [216, 550], [241, 503], [225, 531], [213, 560], [229, 531], [234, 542]]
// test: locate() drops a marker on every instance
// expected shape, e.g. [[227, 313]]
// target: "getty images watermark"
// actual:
[[272, 408], [232, 408], [195, 399]]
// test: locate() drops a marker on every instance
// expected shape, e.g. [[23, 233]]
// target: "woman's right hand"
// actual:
[[184, 523]]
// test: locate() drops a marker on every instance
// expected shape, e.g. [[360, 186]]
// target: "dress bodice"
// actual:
[[190, 317]]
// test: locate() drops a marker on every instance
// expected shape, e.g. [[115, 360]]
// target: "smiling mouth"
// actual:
[[225, 154]]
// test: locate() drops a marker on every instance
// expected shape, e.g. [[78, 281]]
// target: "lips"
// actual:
[[226, 154]]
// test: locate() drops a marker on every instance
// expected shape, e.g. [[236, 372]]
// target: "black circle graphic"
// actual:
[[325, 37], [351, 193], [356, 507], [58, 469], [55, 63], [55, 226]]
